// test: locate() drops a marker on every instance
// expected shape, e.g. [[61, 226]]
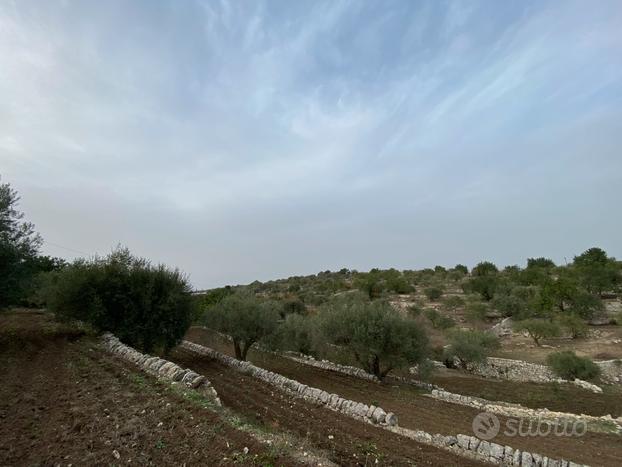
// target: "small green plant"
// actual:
[[568, 365]]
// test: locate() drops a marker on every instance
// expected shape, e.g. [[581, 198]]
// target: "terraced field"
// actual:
[[414, 410]]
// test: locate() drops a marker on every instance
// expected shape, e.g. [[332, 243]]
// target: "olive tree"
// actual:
[[378, 337], [468, 347], [146, 306], [245, 318], [538, 329]]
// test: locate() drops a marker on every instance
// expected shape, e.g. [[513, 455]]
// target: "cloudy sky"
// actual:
[[251, 140]]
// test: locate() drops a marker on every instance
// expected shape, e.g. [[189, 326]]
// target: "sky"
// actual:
[[249, 140]]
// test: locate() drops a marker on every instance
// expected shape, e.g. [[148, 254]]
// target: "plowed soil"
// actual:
[[347, 441], [413, 409], [63, 401]]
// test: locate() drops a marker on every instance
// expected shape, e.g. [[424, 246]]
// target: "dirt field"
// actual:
[[62, 402], [348, 442], [415, 410]]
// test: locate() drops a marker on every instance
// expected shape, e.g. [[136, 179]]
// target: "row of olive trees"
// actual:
[[377, 337]]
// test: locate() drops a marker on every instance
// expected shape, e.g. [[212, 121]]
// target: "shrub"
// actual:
[[245, 318], [568, 365], [574, 324], [149, 307], [453, 302], [476, 311], [538, 329], [433, 293], [378, 337], [293, 305], [470, 347], [438, 320]]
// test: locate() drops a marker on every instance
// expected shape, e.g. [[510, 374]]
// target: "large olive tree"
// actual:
[[379, 338]]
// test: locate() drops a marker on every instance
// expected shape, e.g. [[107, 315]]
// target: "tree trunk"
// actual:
[[376, 367], [247, 345], [238, 351]]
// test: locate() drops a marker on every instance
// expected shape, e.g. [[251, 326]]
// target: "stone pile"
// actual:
[[159, 367], [372, 414]]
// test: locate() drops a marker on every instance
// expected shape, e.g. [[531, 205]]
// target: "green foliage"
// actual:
[[574, 324], [453, 302], [19, 244], [433, 293], [370, 284], [469, 347], [568, 365], [541, 262], [149, 307], [438, 320], [485, 268], [293, 305], [378, 337], [214, 296], [476, 311], [297, 333], [538, 329], [597, 272], [515, 303], [245, 318], [461, 268]]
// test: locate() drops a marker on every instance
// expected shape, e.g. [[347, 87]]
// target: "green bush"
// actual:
[[453, 302], [470, 347], [568, 365], [293, 305], [433, 293], [438, 320], [574, 324], [476, 311], [148, 307]]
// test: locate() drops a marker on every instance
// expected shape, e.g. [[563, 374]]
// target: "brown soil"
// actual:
[[63, 401], [347, 441], [418, 411]]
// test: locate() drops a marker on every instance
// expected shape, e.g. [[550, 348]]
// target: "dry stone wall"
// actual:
[[473, 447], [521, 371], [372, 414], [516, 410], [328, 365], [160, 367]]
